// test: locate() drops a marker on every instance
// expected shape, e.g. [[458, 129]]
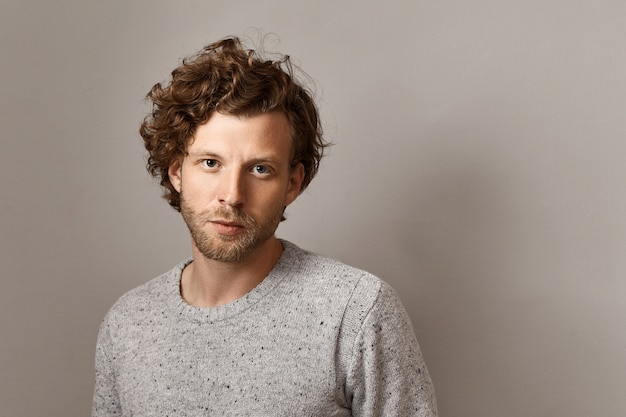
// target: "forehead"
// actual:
[[269, 132]]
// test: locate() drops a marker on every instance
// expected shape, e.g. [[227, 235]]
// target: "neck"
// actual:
[[210, 283]]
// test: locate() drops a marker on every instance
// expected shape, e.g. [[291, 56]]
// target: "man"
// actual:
[[251, 325]]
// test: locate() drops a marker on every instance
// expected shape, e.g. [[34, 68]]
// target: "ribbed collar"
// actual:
[[288, 260]]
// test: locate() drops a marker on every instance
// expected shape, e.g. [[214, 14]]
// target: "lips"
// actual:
[[227, 228]]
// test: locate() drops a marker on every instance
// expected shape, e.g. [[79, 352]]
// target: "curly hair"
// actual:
[[229, 79]]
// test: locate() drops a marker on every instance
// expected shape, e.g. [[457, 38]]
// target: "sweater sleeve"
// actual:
[[106, 401], [387, 375]]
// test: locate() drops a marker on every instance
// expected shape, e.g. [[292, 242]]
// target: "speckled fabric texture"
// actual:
[[314, 338]]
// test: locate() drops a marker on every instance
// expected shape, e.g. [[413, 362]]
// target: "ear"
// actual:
[[295, 183], [175, 174]]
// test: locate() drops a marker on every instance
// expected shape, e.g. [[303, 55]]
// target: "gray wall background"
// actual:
[[478, 168]]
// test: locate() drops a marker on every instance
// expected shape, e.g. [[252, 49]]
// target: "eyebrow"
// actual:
[[203, 152], [209, 154]]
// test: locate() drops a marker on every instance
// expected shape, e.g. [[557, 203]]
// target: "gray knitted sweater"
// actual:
[[314, 338]]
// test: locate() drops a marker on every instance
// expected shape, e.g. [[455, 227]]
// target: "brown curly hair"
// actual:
[[227, 78]]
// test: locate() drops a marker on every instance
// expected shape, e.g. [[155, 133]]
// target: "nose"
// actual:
[[231, 188]]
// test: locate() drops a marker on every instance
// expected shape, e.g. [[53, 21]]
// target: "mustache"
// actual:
[[232, 215]]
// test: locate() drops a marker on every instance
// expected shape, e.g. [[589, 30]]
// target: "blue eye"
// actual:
[[210, 163], [261, 169]]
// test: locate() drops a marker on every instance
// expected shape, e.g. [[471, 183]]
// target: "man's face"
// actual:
[[234, 183]]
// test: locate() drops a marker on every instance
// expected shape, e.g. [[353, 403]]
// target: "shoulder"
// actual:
[[141, 302], [322, 267], [357, 291], [328, 271]]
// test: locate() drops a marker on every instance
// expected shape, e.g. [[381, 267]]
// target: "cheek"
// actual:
[[197, 192], [268, 199]]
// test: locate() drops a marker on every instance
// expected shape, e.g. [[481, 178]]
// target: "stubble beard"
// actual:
[[225, 248]]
